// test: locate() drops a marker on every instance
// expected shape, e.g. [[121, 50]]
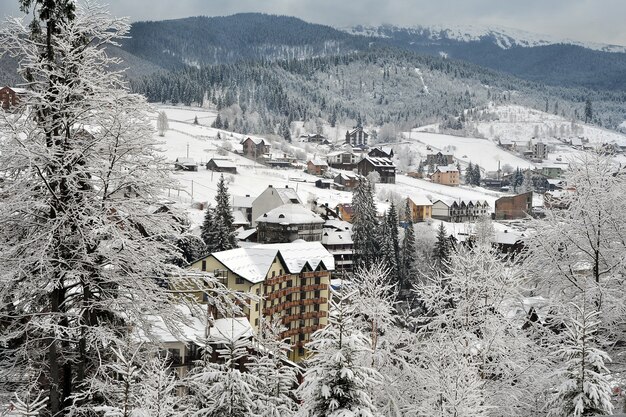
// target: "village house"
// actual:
[[185, 164], [221, 165], [438, 159], [10, 96], [287, 223], [357, 137], [343, 160], [538, 150], [291, 280], [272, 198], [381, 152], [420, 207], [457, 211], [316, 167], [347, 180], [339, 244], [514, 207], [446, 175], [385, 168], [324, 183], [244, 205], [255, 147], [551, 172], [345, 212], [507, 144]]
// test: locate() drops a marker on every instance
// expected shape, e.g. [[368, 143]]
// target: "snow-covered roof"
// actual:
[[239, 218], [223, 163], [337, 153], [379, 161], [253, 263], [318, 162], [419, 199], [337, 224], [346, 176], [447, 168], [186, 161], [288, 195], [290, 214], [243, 202], [256, 141], [334, 237], [507, 237], [244, 234]]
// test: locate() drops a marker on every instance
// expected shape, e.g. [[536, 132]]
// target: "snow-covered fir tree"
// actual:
[[408, 251], [218, 232], [158, 393], [337, 382], [583, 386], [224, 388], [443, 248], [365, 225], [277, 380], [81, 262], [390, 248]]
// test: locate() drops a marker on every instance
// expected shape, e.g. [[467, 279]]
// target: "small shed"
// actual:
[[221, 165], [323, 183], [185, 164]]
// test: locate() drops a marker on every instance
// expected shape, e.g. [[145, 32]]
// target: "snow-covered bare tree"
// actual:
[[584, 388], [158, 393], [81, 259], [162, 123], [579, 249], [337, 382], [472, 312]]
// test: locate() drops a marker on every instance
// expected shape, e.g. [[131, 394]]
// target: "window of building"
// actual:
[[301, 337], [273, 274], [204, 265], [239, 281], [256, 307], [303, 282], [280, 272], [317, 294], [256, 322], [301, 351], [318, 280], [316, 307]]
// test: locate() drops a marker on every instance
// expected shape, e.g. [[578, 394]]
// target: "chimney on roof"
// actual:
[[270, 186], [286, 186]]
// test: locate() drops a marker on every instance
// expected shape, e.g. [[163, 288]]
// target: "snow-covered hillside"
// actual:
[[502, 36]]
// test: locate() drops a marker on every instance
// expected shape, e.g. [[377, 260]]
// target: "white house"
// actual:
[[272, 198]]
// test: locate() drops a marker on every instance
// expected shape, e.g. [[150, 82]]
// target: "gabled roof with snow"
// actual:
[[290, 214], [253, 263], [223, 163], [186, 161], [379, 162], [243, 202], [256, 141], [318, 162], [288, 195], [239, 218], [419, 199], [335, 237], [337, 224], [447, 168]]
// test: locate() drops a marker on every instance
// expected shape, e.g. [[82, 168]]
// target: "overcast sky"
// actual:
[[584, 20]]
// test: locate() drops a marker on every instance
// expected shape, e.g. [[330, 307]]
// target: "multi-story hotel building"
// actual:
[[291, 281]]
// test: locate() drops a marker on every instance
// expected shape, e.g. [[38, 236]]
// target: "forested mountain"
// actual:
[[203, 40], [382, 86], [531, 58]]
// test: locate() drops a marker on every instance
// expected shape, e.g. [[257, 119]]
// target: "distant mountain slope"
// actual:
[[503, 37], [528, 56], [199, 41]]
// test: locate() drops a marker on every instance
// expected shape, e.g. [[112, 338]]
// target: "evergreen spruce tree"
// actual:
[[223, 388], [469, 174], [588, 111], [208, 230], [336, 382], [409, 251], [442, 250], [217, 123], [390, 247], [364, 226], [276, 379], [585, 389], [476, 175], [223, 233]]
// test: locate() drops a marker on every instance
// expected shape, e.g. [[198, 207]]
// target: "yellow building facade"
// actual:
[[291, 281]]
